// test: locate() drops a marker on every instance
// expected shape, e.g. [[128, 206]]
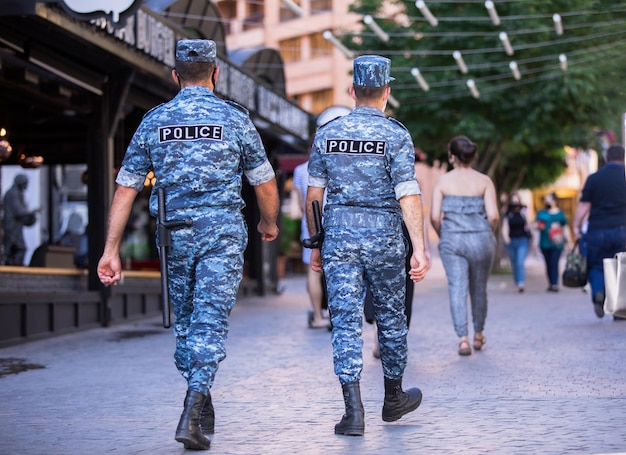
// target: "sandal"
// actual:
[[479, 341], [464, 347]]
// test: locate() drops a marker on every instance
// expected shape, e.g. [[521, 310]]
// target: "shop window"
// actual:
[[320, 46], [291, 50], [321, 100]]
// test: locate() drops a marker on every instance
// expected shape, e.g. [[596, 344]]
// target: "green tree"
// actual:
[[521, 125]]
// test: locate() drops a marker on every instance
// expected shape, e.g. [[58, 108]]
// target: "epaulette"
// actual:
[[238, 106], [150, 111], [397, 122], [329, 122]]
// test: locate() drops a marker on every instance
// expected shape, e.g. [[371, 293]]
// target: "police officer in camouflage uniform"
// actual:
[[198, 146], [365, 163]]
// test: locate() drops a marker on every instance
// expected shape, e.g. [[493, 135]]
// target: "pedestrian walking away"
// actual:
[[464, 213], [364, 162], [603, 205], [198, 147]]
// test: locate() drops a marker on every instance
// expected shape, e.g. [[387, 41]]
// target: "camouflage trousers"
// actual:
[[354, 259], [205, 269]]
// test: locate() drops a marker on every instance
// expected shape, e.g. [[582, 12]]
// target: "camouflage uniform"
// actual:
[[199, 146], [365, 162]]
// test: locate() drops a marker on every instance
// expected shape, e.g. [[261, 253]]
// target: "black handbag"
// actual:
[[575, 273]]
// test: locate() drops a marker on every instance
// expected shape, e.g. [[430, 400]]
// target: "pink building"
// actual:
[[317, 73]]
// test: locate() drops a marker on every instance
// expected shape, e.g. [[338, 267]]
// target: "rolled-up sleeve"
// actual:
[[409, 188], [130, 180], [318, 182], [261, 174]]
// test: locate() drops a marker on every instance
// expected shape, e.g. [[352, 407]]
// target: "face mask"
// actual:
[[547, 206]]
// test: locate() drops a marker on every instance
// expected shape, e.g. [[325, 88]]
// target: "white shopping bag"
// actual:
[[615, 285]]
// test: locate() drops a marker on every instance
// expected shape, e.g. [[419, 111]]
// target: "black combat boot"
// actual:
[[398, 402], [207, 417], [188, 431], [353, 421]]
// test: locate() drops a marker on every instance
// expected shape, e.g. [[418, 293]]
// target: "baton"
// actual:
[[165, 242], [316, 240]]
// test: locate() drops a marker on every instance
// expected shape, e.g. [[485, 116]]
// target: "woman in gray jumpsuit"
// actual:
[[464, 213]]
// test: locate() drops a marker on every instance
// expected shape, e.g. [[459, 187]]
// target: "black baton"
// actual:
[[316, 240], [164, 236]]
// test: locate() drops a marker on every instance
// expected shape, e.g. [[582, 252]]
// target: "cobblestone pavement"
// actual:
[[550, 380]]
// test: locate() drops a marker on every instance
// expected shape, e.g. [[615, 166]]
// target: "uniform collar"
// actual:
[[196, 90], [366, 110]]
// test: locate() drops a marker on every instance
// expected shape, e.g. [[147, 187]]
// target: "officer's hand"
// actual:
[[268, 231], [110, 270], [316, 260], [419, 266]]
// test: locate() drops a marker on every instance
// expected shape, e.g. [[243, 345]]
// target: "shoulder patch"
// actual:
[[238, 106], [397, 122]]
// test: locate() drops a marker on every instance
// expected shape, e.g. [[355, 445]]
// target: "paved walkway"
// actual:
[[550, 380]]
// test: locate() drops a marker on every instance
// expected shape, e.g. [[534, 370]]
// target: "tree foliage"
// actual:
[[521, 126]]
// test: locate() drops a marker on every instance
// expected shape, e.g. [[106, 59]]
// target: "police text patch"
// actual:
[[190, 132], [351, 146]]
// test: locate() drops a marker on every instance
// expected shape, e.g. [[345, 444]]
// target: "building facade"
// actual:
[[317, 73]]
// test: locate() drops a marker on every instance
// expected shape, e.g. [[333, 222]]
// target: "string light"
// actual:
[[515, 71], [335, 42], [294, 7], [459, 61], [558, 26], [563, 61], [369, 20], [394, 102], [420, 79], [472, 88], [432, 20], [505, 42], [493, 14]]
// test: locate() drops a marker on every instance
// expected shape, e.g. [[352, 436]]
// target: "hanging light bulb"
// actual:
[[294, 7], [515, 71], [420, 80], [505, 42], [558, 25], [432, 20], [369, 20], [394, 102], [335, 42], [456, 55], [493, 14], [472, 88]]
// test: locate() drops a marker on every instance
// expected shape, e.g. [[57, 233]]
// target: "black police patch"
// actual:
[[190, 132], [356, 147]]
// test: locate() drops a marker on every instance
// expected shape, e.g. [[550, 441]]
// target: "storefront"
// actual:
[[74, 84]]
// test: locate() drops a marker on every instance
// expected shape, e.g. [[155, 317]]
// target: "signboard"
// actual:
[[114, 9], [147, 32]]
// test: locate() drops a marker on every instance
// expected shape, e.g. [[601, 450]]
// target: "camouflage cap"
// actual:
[[372, 71], [195, 50]]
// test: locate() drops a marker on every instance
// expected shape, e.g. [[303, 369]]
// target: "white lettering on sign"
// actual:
[[113, 7], [147, 34]]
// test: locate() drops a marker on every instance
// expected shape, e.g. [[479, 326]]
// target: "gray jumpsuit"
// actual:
[[467, 249]]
